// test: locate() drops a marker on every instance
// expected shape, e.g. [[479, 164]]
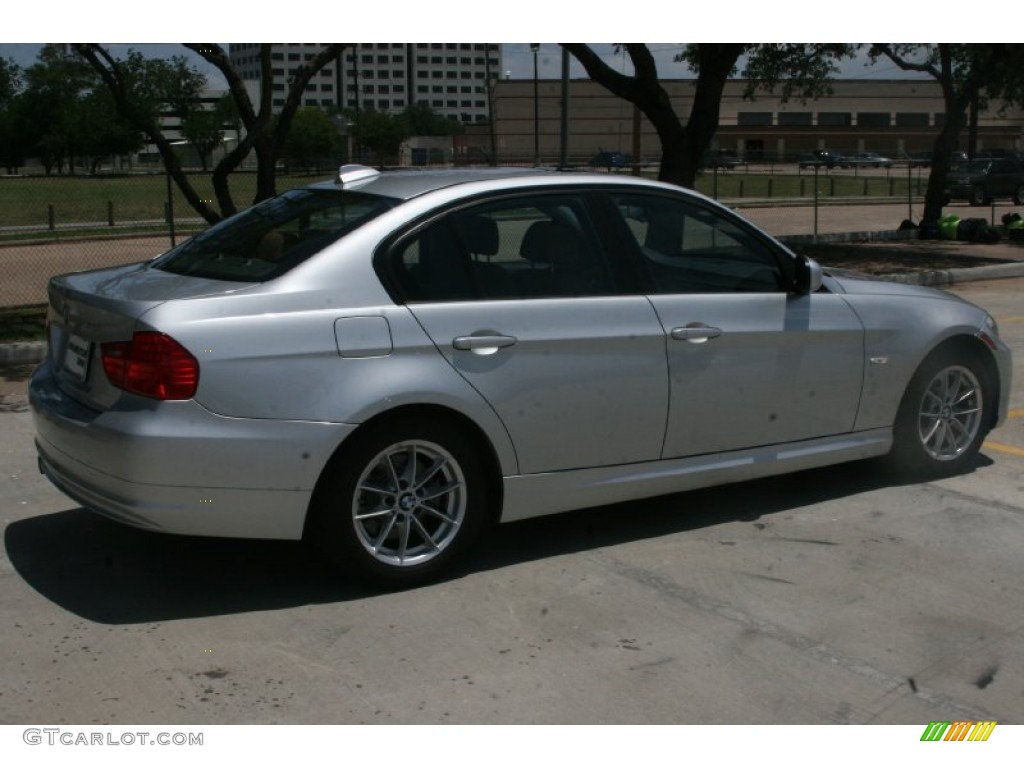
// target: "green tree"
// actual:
[[802, 68], [967, 73], [10, 81], [54, 89], [143, 90], [382, 133], [64, 115], [265, 133], [99, 130], [421, 120], [379, 132], [204, 128], [12, 136], [313, 141]]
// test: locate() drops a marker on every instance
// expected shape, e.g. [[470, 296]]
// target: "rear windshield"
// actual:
[[268, 239]]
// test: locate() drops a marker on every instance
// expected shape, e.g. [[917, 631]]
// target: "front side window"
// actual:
[[269, 239], [687, 248], [518, 248]]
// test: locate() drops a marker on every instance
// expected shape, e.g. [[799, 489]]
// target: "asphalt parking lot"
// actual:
[[830, 596]]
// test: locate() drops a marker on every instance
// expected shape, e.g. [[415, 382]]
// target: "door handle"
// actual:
[[483, 345], [695, 333]]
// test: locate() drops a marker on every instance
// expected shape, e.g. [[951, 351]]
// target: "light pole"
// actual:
[[170, 195], [534, 48]]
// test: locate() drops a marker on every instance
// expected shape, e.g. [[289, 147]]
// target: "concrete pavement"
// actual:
[[826, 597]]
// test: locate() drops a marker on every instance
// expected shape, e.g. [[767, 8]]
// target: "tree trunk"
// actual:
[[682, 147], [266, 170], [945, 143]]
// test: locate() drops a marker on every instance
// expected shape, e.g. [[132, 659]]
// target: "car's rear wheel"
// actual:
[[1018, 196], [978, 196], [401, 504], [943, 417]]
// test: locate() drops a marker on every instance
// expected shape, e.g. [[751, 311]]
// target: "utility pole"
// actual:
[[563, 158], [534, 48]]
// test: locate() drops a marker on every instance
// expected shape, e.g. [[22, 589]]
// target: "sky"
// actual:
[[517, 60], [26, 25]]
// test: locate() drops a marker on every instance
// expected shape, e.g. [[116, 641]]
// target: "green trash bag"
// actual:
[[949, 226]]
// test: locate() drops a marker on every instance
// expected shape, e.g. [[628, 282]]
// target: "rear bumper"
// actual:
[[177, 468]]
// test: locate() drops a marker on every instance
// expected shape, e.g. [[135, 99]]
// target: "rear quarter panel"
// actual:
[[277, 357]]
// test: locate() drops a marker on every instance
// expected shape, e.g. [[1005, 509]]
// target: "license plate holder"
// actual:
[[77, 354]]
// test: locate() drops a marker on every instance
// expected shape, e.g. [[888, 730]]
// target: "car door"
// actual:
[[1004, 178], [518, 296], [750, 363]]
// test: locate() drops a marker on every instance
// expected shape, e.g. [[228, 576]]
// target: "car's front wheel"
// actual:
[[943, 417], [401, 503], [978, 196]]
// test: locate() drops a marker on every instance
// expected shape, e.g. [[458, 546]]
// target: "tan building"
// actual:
[[893, 117]]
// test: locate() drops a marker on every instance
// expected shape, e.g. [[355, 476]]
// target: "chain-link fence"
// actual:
[[55, 224]]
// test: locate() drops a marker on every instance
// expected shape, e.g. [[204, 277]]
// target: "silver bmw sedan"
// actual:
[[386, 363]]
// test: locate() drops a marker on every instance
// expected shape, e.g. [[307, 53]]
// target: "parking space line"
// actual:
[[1015, 413], [1003, 448]]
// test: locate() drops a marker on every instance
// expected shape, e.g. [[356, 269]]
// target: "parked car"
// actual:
[[722, 158], [819, 158], [982, 181], [865, 159], [924, 159], [999, 154], [920, 159], [384, 364], [611, 160]]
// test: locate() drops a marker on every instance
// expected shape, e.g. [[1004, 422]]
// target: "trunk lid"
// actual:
[[87, 309]]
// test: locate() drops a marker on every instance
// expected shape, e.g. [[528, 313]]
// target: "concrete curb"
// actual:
[[850, 237], [955, 276], [32, 352], [22, 352]]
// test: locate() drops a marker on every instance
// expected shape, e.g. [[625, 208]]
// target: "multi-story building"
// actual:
[[451, 78], [895, 117]]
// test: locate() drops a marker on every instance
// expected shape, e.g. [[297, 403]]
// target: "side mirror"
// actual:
[[808, 277]]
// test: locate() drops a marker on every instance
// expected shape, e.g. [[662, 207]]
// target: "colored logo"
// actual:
[[958, 730]]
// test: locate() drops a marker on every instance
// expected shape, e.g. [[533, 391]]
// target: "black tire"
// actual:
[[943, 417], [1018, 195], [401, 503], [979, 196]]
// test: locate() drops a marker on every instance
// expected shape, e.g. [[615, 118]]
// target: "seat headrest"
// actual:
[[480, 234], [549, 242]]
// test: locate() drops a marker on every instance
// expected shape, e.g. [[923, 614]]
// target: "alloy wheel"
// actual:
[[950, 413], [409, 503]]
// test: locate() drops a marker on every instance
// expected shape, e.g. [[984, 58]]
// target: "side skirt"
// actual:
[[547, 493]]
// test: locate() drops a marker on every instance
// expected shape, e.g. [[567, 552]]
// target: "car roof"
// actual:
[[409, 183]]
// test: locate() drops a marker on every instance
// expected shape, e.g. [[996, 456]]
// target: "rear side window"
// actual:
[[528, 247], [268, 239]]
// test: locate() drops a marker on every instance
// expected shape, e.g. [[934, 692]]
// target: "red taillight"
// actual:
[[151, 364]]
